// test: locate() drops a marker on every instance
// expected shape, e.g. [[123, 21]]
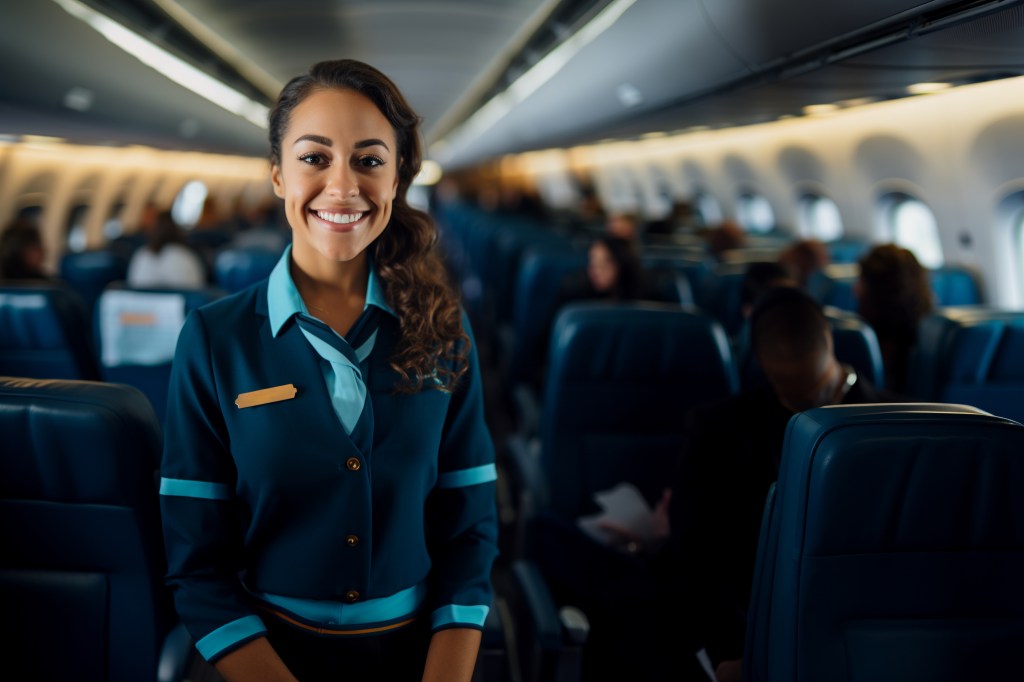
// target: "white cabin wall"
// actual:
[[961, 152]]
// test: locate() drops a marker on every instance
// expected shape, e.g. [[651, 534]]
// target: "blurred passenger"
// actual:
[[726, 237], [166, 261], [758, 280], [613, 273], [623, 226], [803, 258], [731, 456], [681, 219], [893, 294], [22, 252]]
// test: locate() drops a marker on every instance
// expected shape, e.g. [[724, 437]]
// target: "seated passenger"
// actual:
[[726, 237], [613, 273], [803, 258], [166, 262], [758, 280], [731, 456], [893, 294], [21, 251], [622, 226]]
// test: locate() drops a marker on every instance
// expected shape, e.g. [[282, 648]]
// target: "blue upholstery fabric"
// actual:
[[954, 286], [833, 285], [89, 272], [151, 377], [856, 344], [236, 269], [44, 333], [619, 380], [81, 572], [893, 548], [973, 356]]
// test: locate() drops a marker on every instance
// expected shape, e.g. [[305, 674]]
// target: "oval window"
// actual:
[[911, 224], [819, 218]]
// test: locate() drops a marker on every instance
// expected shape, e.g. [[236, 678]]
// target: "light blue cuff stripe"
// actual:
[[228, 635], [202, 489], [461, 615], [461, 478]]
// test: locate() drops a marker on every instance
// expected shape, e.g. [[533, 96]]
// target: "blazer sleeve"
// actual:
[[461, 514], [202, 519]]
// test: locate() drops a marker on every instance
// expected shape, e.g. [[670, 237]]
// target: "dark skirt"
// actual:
[[397, 655]]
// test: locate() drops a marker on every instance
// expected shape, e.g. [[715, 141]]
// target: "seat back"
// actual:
[[973, 356], [619, 380], [955, 286], [236, 269], [892, 549], [89, 272], [138, 331], [81, 572], [44, 333], [856, 344]]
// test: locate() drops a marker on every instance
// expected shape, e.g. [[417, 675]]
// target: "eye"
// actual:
[[314, 159], [370, 161]]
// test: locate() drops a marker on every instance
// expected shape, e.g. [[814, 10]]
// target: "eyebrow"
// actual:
[[326, 141]]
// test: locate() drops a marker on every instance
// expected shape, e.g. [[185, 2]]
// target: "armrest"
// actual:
[[175, 655], [551, 640], [527, 408]]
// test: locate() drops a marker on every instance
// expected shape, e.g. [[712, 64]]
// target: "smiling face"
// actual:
[[338, 176]]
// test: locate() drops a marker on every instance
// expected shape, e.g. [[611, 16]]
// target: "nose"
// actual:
[[342, 182]]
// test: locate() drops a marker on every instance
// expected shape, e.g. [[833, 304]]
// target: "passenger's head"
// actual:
[[622, 225], [21, 251], [893, 289], [759, 279], [164, 231], [613, 267], [803, 258], [792, 341], [727, 236]]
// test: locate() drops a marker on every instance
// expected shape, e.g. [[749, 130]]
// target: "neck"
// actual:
[[329, 285]]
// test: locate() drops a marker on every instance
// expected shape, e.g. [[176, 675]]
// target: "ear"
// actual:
[[276, 180], [394, 188]]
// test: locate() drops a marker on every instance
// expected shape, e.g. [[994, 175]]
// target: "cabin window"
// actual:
[[755, 213], [188, 205], [77, 238], [1015, 206], [911, 224], [113, 227], [819, 218], [707, 209]]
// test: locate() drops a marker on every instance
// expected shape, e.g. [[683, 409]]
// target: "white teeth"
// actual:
[[339, 218]]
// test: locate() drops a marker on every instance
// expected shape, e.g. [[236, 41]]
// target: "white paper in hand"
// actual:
[[626, 512]]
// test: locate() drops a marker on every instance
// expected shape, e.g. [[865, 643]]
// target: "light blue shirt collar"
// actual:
[[283, 299]]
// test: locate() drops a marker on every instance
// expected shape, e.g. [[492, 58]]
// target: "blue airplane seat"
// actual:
[[44, 333], [81, 573], [89, 272], [535, 306], [955, 286], [892, 549], [847, 250], [619, 380], [137, 331], [236, 269], [833, 285], [973, 356]]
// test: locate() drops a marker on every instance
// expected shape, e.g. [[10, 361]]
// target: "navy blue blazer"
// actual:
[[274, 504]]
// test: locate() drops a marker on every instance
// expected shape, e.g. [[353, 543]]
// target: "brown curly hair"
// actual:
[[433, 343]]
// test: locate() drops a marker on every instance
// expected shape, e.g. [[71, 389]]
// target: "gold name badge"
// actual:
[[265, 395]]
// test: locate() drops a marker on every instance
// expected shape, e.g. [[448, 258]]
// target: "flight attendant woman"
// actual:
[[328, 480]]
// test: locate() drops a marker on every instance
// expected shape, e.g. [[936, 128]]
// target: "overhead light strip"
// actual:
[[174, 68], [540, 73]]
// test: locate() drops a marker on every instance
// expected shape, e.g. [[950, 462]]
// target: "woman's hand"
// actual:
[[255, 661]]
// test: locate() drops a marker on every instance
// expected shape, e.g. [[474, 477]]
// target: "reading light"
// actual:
[[179, 71]]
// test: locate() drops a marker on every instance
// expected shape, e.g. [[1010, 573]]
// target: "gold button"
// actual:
[[351, 596], [354, 464], [352, 540]]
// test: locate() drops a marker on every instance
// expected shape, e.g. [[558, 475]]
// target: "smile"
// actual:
[[339, 218]]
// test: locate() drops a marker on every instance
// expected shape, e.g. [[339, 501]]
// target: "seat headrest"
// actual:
[[76, 441]]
